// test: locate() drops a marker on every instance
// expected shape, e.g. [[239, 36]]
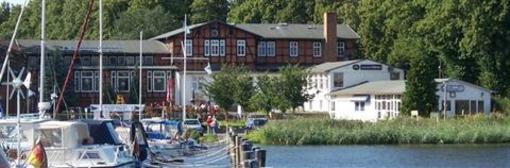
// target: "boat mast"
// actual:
[[140, 81], [101, 57], [41, 68], [184, 72]]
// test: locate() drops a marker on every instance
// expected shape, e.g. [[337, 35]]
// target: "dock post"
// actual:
[[238, 151], [261, 157]]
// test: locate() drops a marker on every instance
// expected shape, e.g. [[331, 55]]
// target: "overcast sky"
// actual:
[[13, 1]]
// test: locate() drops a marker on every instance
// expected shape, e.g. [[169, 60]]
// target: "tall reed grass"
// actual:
[[315, 131]]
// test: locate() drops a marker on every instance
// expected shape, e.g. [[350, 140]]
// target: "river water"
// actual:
[[464, 156]]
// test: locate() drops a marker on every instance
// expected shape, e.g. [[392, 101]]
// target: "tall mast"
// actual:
[[43, 55], [184, 72], [101, 57], [140, 80]]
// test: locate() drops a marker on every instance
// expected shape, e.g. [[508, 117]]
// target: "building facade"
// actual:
[[329, 77], [260, 47], [381, 100]]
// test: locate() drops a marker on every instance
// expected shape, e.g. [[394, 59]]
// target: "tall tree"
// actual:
[[292, 86], [206, 10], [420, 93], [243, 84], [221, 89], [265, 95], [131, 22]]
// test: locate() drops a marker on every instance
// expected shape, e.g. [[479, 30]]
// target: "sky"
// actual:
[[13, 1]]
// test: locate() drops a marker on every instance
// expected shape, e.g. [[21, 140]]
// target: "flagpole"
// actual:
[[184, 72], [140, 80], [41, 68], [100, 58]]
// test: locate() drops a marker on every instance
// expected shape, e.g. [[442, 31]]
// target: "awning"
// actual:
[[360, 98]]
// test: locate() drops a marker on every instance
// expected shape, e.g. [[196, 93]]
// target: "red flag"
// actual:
[[37, 157], [169, 90]]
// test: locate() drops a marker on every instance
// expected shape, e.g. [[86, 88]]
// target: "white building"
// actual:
[[332, 76], [378, 100]]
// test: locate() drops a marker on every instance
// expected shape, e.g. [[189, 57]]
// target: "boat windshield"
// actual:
[[50, 137], [114, 134], [9, 132]]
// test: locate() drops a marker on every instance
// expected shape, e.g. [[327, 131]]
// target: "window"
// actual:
[[332, 106], [85, 61], [94, 61], [77, 82], [130, 61], [270, 48], [159, 81], [113, 60], [215, 47], [122, 82], [261, 49], [317, 49], [149, 81], [189, 47], [206, 48], [340, 48], [359, 106], [148, 60], [121, 60], [338, 79], [222, 47], [448, 105], [96, 81], [480, 107], [394, 75], [87, 81], [293, 49], [241, 47], [67, 60]]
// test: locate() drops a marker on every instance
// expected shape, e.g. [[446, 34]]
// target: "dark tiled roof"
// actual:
[[279, 31], [298, 31], [109, 46]]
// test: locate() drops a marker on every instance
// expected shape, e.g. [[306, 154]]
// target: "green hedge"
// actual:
[[302, 131]]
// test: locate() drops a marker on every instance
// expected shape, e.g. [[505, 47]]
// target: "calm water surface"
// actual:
[[484, 156]]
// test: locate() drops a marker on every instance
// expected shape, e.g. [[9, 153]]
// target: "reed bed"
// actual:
[[316, 131]]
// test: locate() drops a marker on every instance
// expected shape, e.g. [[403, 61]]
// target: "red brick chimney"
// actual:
[[330, 37]]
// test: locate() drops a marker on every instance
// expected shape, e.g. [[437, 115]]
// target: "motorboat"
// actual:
[[161, 134], [70, 144], [9, 132]]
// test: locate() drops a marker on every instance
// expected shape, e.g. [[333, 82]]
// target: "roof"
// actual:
[[178, 31], [440, 80], [375, 87], [298, 31], [109, 46], [327, 66], [278, 31]]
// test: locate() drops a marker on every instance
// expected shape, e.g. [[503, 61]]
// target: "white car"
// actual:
[[193, 124]]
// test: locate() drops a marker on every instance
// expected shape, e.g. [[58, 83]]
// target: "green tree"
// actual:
[[265, 94], [206, 10], [420, 93], [292, 86], [221, 89], [243, 86], [131, 22]]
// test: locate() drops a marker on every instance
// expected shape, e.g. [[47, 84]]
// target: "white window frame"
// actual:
[[317, 49], [77, 81], [293, 48], [340, 46], [206, 48], [154, 78], [241, 48], [189, 48], [149, 81], [222, 48], [117, 80], [359, 106], [215, 47], [90, 77], [271, 48], [261, 49]]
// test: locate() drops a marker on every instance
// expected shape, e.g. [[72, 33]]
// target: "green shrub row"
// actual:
[[312, 131]]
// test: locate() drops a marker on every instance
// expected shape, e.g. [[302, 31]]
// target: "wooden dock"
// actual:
[[243, 153]]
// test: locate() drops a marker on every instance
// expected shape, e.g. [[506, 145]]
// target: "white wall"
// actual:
[[351, 77], [470, 93], [191, 78]]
